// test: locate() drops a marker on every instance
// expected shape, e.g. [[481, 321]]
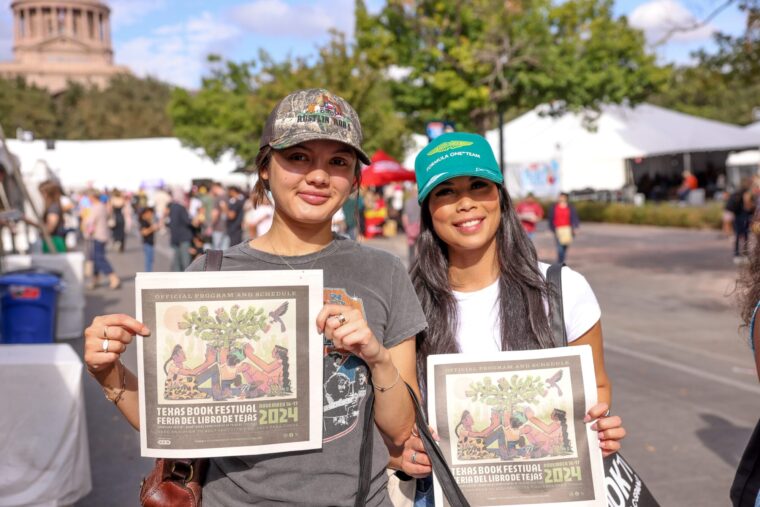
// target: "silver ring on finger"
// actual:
[[413, 459], [105, 345], [341, 319]]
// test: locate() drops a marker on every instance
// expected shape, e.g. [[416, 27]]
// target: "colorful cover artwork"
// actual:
[[511, 426], [233, 366]]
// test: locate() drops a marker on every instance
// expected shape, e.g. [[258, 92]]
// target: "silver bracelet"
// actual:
[[383, 389]]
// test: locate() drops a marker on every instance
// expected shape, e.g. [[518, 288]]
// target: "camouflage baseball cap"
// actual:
[[314, 114]]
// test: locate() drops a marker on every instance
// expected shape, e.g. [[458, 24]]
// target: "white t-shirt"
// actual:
[[262, 216], [479, 327]]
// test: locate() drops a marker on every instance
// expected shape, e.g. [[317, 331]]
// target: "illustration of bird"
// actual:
[[274, 316], [552, 381]]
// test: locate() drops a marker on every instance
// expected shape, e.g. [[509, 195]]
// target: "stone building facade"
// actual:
[[60, 41]]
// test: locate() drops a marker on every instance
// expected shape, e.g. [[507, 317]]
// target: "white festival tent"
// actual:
[[124, 164], [597, 158], [754, 127]]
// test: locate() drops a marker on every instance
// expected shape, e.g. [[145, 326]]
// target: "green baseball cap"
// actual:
[[312, 115], [451, 155]]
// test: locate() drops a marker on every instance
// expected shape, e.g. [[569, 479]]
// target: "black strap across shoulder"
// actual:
[[554, 279], [442, 472], [212, 261]]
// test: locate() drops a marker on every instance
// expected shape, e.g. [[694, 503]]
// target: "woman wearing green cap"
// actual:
[[309, 163], [479, 280]]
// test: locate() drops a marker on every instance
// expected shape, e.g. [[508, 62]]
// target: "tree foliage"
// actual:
[[228, 113], [24, 106], [467, 60], [224, 329], [724, 85], [129, 107], [506, 393]]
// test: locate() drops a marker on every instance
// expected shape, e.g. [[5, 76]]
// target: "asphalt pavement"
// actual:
[[683, 376]]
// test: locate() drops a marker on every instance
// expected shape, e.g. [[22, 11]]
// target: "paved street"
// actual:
[[683, 378]]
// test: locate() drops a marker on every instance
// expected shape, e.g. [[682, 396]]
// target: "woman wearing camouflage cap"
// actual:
[[309, 163]]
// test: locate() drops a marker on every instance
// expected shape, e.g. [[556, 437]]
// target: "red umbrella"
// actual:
[[384, 169]]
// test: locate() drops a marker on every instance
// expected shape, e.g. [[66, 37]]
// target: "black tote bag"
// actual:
[[623, 485]]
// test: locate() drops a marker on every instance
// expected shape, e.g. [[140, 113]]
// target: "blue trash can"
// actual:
[[28, 305]]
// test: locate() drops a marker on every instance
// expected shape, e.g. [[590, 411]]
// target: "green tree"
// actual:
[[224, 329], [505, 393], [228, 113], [27, 107], [723, 85], [129, 107], [468, 60]]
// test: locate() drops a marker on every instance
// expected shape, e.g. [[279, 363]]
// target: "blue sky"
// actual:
[[171, 38]]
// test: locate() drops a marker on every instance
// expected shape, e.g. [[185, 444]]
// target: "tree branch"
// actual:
[[694, 26]]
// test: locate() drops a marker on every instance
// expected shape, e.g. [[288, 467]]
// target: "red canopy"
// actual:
[[384, 169]]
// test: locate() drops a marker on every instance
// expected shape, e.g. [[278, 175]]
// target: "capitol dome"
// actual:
[[60, 40]]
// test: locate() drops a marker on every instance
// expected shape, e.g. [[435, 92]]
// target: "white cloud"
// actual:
[[303, 20], [177, 53], [128, 12], [658, 18]]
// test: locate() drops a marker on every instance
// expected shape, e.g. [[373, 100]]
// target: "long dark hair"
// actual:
[[282, 354], [748, 283], [177, 348], [522, 289], [561, 417]]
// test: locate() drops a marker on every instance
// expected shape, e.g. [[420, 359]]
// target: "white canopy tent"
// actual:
[[754, 127], [578, 157], [597, 158], [124, 164]]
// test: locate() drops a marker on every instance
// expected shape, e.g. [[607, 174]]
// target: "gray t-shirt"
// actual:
[[376, 282]]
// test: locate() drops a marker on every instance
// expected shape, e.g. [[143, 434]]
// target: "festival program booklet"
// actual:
[[233, 365], [511, 426]]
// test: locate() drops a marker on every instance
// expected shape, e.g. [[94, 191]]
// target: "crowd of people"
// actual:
[[102, 222]]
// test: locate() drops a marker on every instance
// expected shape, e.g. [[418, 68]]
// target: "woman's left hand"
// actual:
[[346, 328], [609, 428]]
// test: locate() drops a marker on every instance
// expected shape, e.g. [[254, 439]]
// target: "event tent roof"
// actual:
[[125, 164], [595, 158], [754, 127]]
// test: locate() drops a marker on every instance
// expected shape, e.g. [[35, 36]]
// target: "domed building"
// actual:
[[59, 41]]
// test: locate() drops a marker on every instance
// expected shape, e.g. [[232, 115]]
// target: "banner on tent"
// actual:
[[539, 178]]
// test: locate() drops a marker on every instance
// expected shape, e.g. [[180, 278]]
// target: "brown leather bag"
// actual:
[[174, 483]]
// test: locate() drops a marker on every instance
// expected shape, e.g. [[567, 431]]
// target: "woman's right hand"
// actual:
[[118, 330]]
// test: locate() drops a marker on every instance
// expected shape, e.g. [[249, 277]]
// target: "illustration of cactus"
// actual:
[[506, 394], [223, 329]]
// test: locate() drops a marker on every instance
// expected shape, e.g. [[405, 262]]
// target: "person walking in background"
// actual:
[[180, 231], [52, 217], [688, 184], [119, 219], [219, 239], [97, 230], [742, 205], [351, 215], [564, 222], [410, 218], [235, 212], [530, 212], [148, 228], [258, 220], [161, 200]]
